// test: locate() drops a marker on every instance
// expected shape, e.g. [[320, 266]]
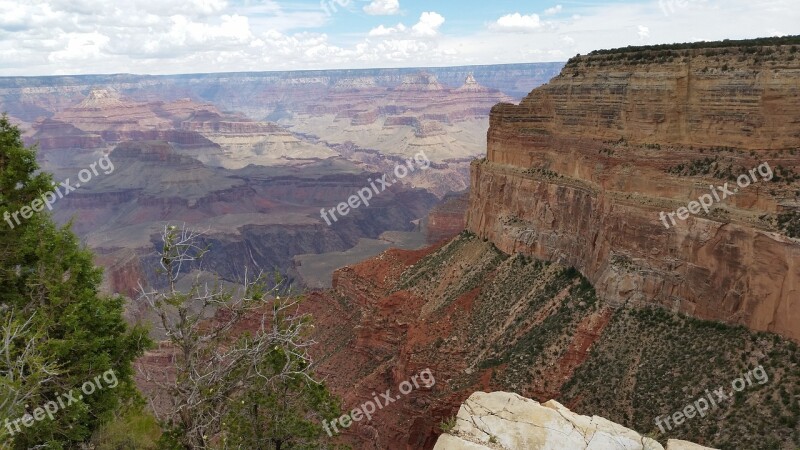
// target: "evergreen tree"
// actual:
[[283, 413], [58, 331]]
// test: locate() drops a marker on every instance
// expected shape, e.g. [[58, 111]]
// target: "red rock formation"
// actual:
[[381, 325], [578, 173], [447, 219], [55, 134]]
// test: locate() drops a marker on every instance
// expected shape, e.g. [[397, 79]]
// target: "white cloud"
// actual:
[[518, 22], [644, 32], [553, 11], [80, 47], [387, 31], [50, 37], [428, 25], [383, 7]]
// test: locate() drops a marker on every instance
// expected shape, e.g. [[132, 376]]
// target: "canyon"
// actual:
[[252, 158], [550, 273], [567, 286]]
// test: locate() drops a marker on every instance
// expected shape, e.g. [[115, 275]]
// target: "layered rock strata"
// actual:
[[580, 171]]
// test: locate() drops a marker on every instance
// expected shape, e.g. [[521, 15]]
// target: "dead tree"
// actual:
[[220, 337]]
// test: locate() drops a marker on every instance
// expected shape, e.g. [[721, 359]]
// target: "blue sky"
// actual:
[[55, 37]]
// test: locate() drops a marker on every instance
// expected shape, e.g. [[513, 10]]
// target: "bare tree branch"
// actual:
[[220, 338]]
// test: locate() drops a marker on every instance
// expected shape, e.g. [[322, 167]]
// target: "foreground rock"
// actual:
[[502, 420]]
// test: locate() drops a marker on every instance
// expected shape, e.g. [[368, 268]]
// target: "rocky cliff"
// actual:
[[587, 169], [482, 320], [446, 219], [501, 420]]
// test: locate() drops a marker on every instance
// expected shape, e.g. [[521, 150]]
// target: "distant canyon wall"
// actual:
[[257, 93]]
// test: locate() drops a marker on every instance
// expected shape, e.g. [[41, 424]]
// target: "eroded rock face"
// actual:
[[446, 219], [580, 171], [502, 420], [248, 216]]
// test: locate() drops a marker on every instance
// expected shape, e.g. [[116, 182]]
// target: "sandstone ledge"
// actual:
[[502, 420]]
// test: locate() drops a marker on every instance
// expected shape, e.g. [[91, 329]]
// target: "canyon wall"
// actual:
[[581, 170], [481, 320]]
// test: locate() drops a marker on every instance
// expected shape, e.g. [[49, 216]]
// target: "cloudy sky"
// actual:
[[56, 37]]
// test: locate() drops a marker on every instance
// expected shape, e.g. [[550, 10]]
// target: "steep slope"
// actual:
[[482, 320], [588, 168]]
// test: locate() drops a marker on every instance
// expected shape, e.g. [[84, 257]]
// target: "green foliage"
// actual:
[[703, 166], [789, 223], [242, 380], [727, 43], [664, 53], [652, 362], [784, 174], [74, 334], [434, 265], [283, 414], [135, 429], [447, 425]]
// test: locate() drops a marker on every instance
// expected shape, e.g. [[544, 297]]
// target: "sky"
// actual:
[[70, 37]]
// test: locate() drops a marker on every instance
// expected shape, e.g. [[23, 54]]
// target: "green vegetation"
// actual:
[[650, 362], [716, 167], [447, 425], [233, 387], [283, 413], [727, 43], [250, 386], [761, 48], [435, 266], [785, 175], [527, 322], [135, 430], [789, 223], [703, 166], [544, 173], [542, 327], [58, 331]]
